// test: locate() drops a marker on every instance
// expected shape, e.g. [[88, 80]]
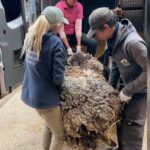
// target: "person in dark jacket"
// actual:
[[44, 73], [129, 53]]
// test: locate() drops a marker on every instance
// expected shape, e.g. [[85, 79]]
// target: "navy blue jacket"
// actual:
[[43, 77]]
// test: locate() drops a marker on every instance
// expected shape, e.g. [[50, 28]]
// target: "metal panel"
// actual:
[[33, 8], [136, 17], [132, 3], [134, 11], [11, 42], [90, 5], [53, 2]]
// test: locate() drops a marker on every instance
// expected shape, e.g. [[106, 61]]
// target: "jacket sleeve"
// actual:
[[58, 64], [114, 75], [138, 52]]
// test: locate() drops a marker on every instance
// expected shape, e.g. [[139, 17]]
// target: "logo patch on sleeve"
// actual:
[[125, 62]]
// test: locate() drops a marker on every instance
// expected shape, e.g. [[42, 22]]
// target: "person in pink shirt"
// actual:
[[72, 33]]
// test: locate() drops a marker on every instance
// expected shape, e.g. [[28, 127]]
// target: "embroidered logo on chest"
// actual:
[[125, 62]]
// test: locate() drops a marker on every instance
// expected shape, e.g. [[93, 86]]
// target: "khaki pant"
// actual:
[[53, 126]]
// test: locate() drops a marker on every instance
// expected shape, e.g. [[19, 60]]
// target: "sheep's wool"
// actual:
[[90, 106]]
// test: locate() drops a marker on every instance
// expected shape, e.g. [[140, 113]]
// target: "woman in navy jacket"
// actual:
[[44, 72]]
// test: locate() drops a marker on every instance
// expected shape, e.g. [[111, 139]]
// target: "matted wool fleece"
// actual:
[[90, 106]]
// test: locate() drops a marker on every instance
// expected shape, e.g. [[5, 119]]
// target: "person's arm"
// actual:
[[62, 33], [63, 37], [78, 31], [138, 52], [78, 26], [58, 64]]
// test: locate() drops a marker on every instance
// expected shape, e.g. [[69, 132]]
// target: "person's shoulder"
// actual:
[[52, 37], [135, 45], [55, 38], [135, 39], [59, 4], [79, 5]]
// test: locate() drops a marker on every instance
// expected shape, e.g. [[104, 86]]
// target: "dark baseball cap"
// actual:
[[98, 18], [54, 15]]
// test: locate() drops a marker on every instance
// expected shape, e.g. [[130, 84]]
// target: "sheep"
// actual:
[[90, 106]]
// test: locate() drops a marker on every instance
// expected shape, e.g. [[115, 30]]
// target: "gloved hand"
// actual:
[[124, 98], [78, 48], [70, 52]]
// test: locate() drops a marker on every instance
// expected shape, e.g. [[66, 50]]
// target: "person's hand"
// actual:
[[70, 52], [123, 97], [78, 48], [118, 11]]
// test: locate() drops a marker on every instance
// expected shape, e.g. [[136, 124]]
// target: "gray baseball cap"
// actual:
[[54, 15], [98, 18]]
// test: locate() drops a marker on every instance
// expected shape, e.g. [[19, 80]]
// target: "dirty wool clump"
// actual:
[[90, 105]]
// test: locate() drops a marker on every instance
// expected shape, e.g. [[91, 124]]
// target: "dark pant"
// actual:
[[131, 130], [90, 43]]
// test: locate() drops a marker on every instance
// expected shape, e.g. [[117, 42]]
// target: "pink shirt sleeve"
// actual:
[[80, 11], [59, 5]]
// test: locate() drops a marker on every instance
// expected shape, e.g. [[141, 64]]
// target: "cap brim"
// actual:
[[64, 20], [91, 33]]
